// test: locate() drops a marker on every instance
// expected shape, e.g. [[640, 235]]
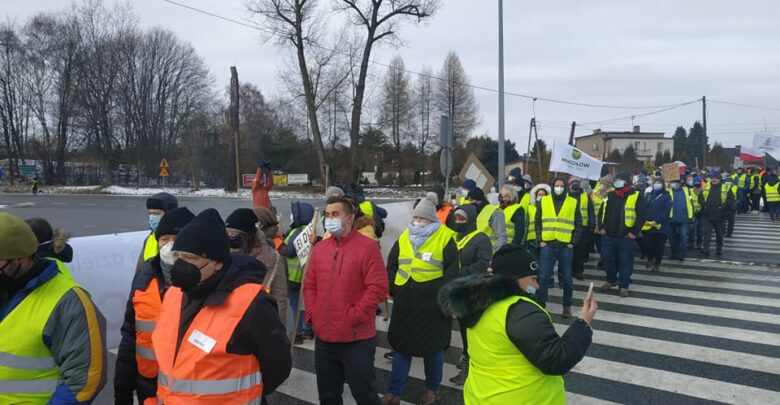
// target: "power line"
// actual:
[[483, 88], [761, 107], [631, 117]]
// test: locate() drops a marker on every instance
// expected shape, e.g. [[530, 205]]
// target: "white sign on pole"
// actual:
[[297, 179], [302, 245], [568, 159], [764, 143]]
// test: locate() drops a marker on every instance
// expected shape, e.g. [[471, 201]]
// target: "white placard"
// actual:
[[297, 179], [302, 245]]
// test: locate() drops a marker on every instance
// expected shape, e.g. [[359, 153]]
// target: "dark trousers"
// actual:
[[694, 232], [354, 362], [678, 239], [464, 337], [719, 228], [755, 201], [730, 218], [582, 251], [774, 210], [655, 244], [618, 257]]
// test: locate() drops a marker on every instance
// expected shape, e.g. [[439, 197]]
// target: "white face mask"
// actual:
[[334, 226], [619, 184], [464, 192], [658, 186], [166, 254], [559, 190]]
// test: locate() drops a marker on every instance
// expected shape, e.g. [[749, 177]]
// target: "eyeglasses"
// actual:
[[186, 255]]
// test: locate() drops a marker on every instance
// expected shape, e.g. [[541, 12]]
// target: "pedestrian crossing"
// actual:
[[697, 332]]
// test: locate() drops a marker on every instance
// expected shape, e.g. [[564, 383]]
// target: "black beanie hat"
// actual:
[[162, 201], [514, 262], [205, 235], [242, 219], [625, 176], [476, 194], [173, 222]]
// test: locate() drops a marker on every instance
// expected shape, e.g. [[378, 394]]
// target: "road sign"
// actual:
[[164, 164], [164, 172], [296, 179], [27, 170], [445, 162], [247, 180], [445, 132]]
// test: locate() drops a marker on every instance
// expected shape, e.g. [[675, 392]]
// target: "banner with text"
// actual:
[[568, 159]]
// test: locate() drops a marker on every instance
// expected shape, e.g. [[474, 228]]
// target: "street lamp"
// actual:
[[501, 163]]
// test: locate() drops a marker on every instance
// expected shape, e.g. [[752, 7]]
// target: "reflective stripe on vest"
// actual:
[[483, 223], [147, 305], [629, 210], [584, 208], [294, 270], [28, 372], [688, 202], [772, 192], [509, 212], [367, 208], [499, 373], [427, 263], [530, 219], [150, 247], [558, 226], [206, 373]]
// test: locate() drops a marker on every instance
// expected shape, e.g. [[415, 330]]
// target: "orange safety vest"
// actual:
[[202, 371], [443, 213], [278, 242], [147, 305]]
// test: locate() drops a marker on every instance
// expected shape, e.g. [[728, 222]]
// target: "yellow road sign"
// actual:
[[163, 172], [164, 165]]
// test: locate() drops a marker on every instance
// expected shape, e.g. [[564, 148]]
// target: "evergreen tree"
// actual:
[[696, 144], [614, 156], [659, 158], [630, 161], [667, 156], [680, 136]]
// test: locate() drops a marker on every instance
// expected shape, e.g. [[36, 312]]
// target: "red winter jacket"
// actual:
[[344, 283]]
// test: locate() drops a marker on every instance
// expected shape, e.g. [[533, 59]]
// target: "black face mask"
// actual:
[[185, 275], [235, 243], [575, 188], [459, 227], [5, 280]]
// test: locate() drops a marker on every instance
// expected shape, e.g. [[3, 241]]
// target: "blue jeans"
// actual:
[[743, 201], [694, 232], [618, 258], [434, 370], [293, 294], [678, 239], [774, 210], [547, 258]]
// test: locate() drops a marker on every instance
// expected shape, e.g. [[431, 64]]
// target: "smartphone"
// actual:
[[590, 292]]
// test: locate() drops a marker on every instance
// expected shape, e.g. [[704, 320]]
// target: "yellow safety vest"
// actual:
[[499, 373], [560, 227], [584, 208], [466, 239], [28, 372], [427, 263], [597, 203], [772, 194], [688, 202], [150, 247], [462, 201], [526, 200], [61, 266], [367, 208], [531, 223], [294, 269], [741, 180], [755, 180], [629, 211], [483, 223], [723, 193], [509, 212]]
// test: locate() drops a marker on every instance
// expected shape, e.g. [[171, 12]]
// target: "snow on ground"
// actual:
[[280, 193]]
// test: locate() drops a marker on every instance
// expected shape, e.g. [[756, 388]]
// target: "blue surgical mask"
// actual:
[[530, 290], [619, 184], [675, 186], [690, 183], [658, 186], [154, 222], [334, 226]]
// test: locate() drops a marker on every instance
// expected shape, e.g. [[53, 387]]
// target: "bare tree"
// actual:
[[455, 98], [381, 19], [395, 116], [14, 106], [423, 97]]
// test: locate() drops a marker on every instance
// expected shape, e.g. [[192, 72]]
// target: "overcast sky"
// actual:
[[625, 53]]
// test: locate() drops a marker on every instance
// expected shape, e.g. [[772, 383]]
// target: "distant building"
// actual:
[[646, 144]]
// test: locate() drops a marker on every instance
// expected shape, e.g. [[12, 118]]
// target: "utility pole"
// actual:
[[501, 163], [571, 135], [234, 121], [704, 138], [528, 151]]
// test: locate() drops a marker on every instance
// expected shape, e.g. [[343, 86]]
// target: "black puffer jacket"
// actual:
[[418, 327], [475, 256], [531, 331]]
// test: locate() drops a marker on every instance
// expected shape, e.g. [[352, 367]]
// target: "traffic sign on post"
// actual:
[[164, 164], [164, 172]]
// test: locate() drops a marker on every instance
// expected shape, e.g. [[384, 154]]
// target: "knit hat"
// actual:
[[205, 235], [333, 190], [574, 180], [173, 221], [17, 240], [162, 201], [528, 179], [432, 197], [41, 229], [476, 194], [625, 176], [460, 212], [469, 184], [716, 175], [514, 262], [425, 209], [516, 172], [242, 219]]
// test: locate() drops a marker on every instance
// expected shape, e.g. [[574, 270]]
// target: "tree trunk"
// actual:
[[357, 108]]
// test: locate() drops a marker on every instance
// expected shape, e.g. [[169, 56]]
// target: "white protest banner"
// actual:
[[764, 143], [568, 159], [302, 245]]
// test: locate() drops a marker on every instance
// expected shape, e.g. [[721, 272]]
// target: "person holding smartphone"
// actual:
[[516, 356]]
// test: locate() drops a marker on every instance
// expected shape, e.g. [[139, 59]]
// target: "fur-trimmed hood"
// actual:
[[536, 188], [467, 298]]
